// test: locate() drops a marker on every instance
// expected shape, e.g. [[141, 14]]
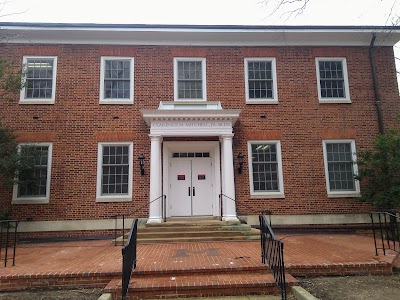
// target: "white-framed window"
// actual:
[[39, 77], [332, 78], [260, 80], [114, 172], [340, 168], [37, 192], [116, 80], [190, 79], [265, 169]]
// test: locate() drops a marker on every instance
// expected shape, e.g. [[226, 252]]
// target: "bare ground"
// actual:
[[78, 294], [354, 287]]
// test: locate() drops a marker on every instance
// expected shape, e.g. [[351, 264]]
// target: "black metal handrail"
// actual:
[[387, 228], [129, 258], [7, 224], [132, 213], [268, 212], [272, 253]]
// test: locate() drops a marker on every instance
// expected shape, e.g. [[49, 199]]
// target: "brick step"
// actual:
[[144, 235], [190, 222], [198, 285]]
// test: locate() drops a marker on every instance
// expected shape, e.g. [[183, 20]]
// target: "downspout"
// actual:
[[371, 51]]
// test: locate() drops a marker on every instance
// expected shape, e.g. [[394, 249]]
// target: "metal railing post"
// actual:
[[373, 232]]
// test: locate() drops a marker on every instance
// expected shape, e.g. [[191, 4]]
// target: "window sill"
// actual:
[[30, 200], [114, 199], [344, 195], [262, 101], [116, 101], [36, 101], [268, 195], [334, 100]]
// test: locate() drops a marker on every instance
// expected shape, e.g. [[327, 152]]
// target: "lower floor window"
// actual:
[[114, 170], [265, 168], [34, 183], [340, 167]]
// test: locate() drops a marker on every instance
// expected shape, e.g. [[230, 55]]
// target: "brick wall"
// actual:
[[77, 122]]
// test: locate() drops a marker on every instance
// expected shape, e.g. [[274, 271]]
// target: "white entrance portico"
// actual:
[[192, 173]]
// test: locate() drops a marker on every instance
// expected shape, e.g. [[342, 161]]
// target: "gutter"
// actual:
[[371, 51]]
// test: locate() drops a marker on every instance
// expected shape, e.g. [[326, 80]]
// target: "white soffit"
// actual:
[[197, 35]]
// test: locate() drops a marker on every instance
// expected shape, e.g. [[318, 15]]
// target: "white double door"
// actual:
[[190, 187]]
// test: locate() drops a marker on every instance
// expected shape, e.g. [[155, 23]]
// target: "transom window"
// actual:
[[260, 77], [332, 79], [37, 185], [265, 168], [116, 80], [39, 80], [114, 172], [340, 168], [190, 154], [190, 79]]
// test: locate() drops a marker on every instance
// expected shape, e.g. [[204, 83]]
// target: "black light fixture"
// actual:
[[240, 160], [141, 163]]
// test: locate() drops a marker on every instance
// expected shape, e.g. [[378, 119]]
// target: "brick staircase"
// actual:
[[199, 283], [194, 230]]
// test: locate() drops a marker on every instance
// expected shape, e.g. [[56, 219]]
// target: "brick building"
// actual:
[[269, 116]]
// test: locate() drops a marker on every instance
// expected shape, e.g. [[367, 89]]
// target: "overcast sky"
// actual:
[[241, 12]]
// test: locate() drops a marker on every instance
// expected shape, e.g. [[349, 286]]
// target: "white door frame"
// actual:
[[195, 146]]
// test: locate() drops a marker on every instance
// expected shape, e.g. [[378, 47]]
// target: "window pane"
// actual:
[[117, 79], [39, 78], [190, 80], [35, 184], [115, 170], [340, 167], [331, 79], [260, 82], [265, 166]]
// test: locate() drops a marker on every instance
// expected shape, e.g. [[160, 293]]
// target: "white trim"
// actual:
[[200, 146], [204, 77], [131, 83], [346, 98], [23, 99], [113, 198], [274, 99], [258, 195], [30, 199], [341, 194]]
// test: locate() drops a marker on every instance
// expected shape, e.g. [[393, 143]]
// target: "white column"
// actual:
[[155, 179], [228, 180]]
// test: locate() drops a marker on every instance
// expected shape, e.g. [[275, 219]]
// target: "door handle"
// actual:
[[194, 192], [189, 190]]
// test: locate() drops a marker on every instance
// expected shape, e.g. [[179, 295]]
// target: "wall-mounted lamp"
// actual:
[[240, 160], [141, 163]]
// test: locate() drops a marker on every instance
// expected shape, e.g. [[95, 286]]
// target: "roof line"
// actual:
[[177, 26]]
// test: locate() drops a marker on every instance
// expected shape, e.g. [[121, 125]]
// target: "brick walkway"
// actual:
[[304, 255]]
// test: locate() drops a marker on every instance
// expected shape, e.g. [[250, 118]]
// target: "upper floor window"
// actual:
[[39, 80], [190, 78], [340, 168], [116, 80], [265, 168], [37, 188], [260, 80], [333, 84], [114, 172]]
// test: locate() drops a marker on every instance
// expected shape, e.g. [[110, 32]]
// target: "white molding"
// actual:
[[200, 146], [113, 198], [346, 98], [204, 77], [129, 100], [23, 99], [258, 195], [341, 194], [274, 99], [114, 35], [30, 199]]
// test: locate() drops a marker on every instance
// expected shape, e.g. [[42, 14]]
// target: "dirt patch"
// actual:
[[91, 294], [354, 287]]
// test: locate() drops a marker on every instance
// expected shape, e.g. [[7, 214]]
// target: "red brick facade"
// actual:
[[77, 122]]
